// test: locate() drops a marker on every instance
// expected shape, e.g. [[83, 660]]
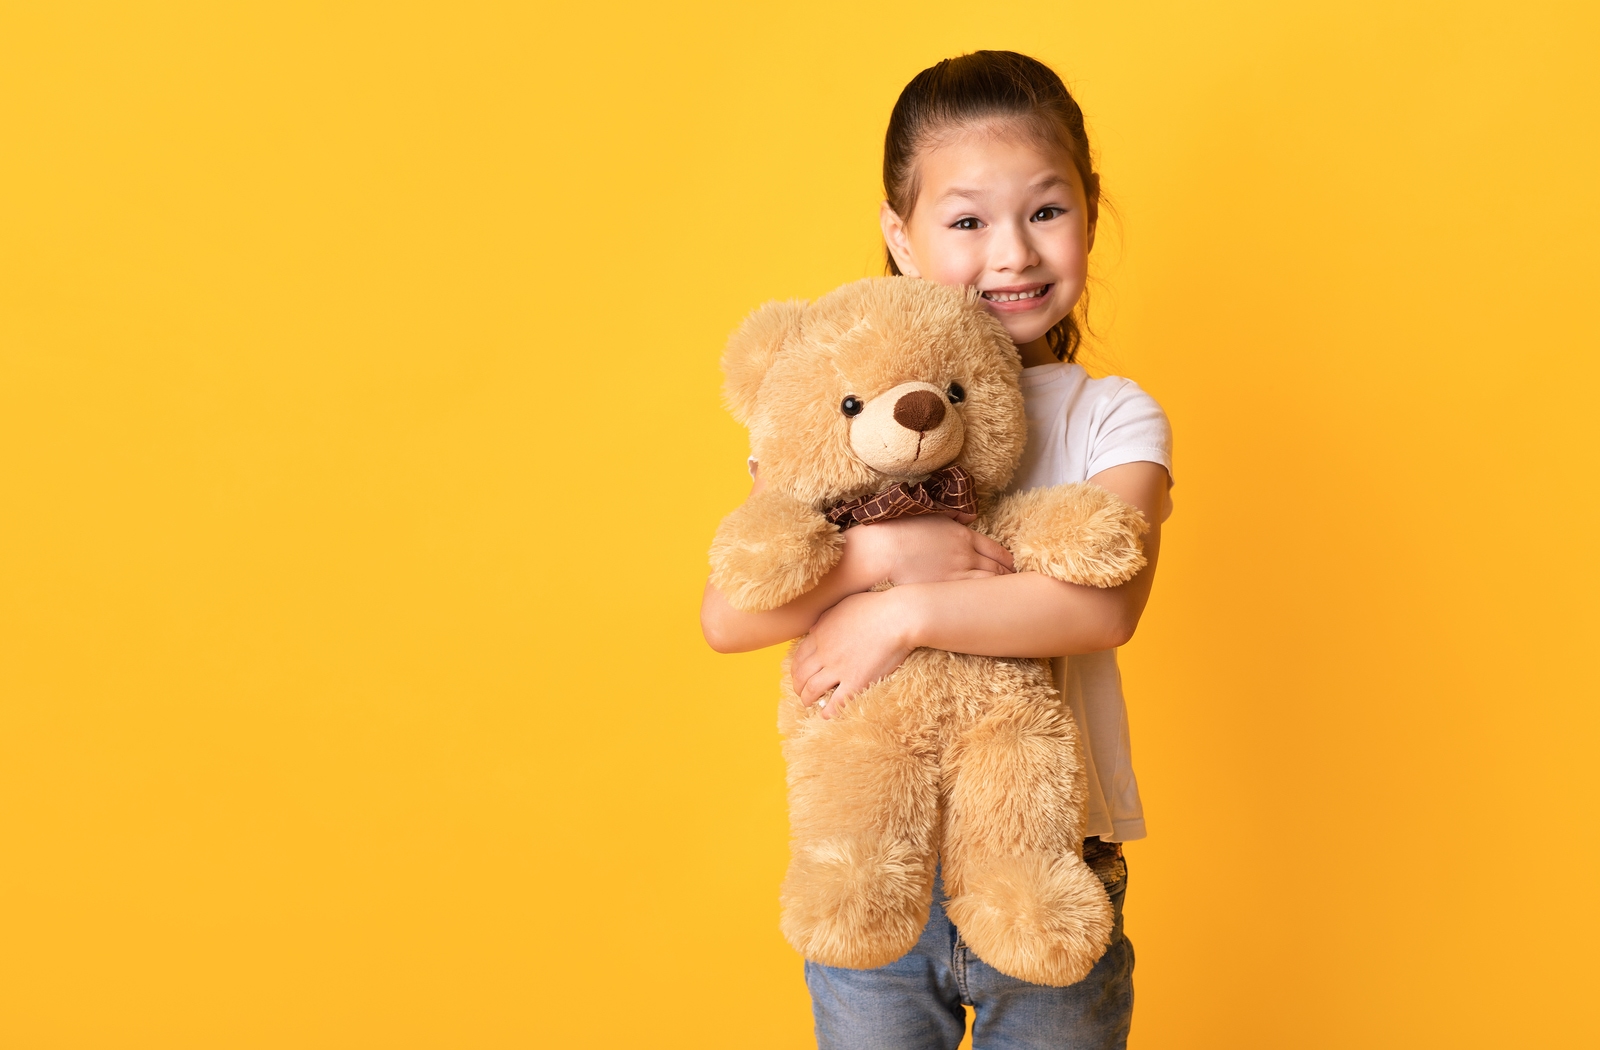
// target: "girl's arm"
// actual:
[[906, 552], [866, 636]]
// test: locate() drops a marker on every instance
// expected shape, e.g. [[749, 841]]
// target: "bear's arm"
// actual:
[[772, 550], [1078, 533]]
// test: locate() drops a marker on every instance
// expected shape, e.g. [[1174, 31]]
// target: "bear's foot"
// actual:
[[856, 903], [1045, 920]]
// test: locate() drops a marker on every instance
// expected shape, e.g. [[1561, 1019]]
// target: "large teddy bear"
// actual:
[[894, 396]]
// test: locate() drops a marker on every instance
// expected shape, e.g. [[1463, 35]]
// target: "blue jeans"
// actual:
[[915, 1003]]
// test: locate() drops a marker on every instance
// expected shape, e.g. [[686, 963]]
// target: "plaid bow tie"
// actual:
[[950, 489]]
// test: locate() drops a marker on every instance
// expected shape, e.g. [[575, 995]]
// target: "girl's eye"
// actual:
[[957, 395], [851, 406], [968, 223], [1048, 213]]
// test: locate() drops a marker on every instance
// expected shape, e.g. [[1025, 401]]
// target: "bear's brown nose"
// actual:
[[919, 410]]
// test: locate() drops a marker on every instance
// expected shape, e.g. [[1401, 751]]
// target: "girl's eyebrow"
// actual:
[[1050, 181], [970, 195]]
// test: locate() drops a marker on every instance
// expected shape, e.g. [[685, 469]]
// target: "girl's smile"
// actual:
[[1016, 298]]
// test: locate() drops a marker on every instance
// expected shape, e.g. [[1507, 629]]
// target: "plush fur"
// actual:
[[772, 550], [1080, 533], [974, 760]]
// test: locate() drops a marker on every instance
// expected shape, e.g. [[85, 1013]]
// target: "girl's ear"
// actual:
[[897, 239], [751, 351]]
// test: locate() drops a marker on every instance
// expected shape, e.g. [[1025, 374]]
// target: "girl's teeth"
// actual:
[[1011, 297]]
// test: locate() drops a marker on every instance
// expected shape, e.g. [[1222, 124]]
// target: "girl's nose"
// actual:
[[1013, 250]]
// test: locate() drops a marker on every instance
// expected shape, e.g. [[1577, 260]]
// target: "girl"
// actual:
[[989, 184]]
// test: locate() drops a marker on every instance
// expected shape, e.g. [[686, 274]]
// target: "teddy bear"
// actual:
[[886, 397]]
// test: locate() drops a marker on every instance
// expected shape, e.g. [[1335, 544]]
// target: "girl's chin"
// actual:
[[1024, 330]]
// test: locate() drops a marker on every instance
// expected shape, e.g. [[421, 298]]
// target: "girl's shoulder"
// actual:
[[1097, 422], [1070, 385]]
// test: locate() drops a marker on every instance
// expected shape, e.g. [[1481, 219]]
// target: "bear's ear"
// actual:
[[751, 351]]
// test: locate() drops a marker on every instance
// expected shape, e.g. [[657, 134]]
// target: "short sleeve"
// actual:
[[1131, 428]]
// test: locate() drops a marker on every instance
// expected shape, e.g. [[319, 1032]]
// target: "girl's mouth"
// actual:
[[1006, 295]]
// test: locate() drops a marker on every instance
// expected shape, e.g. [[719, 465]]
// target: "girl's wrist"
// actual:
[[907, 611], [863, 561]]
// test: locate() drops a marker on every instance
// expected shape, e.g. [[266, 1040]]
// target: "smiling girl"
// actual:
[[989, 184]]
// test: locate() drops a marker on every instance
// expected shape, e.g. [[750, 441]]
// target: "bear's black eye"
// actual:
[[851, 406], [957, 395]]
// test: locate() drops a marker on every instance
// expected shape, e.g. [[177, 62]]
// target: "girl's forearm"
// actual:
[[728, 630], [906, 550], [1024, 614]]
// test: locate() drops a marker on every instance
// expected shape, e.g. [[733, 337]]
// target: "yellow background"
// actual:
[[360, 445]]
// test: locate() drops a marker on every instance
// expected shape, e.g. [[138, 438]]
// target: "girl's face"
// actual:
[[999, 212]]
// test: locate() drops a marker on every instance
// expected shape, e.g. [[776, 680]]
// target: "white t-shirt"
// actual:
[[1077, 427]]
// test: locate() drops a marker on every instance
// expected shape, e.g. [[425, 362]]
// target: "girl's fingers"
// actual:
[[804, 664], [816, 685], [844, 693], [993, 551]]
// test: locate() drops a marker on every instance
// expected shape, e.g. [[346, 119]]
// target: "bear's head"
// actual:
[[884, 380]]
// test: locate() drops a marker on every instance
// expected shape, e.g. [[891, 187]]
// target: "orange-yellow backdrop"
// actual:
[[360, 444]]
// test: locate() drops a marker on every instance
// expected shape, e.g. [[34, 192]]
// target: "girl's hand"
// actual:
[[928, 549], [854, 644]]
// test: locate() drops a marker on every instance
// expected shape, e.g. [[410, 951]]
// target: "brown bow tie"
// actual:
[[950, 489]]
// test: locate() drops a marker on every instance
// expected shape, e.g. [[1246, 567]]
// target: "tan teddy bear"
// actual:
[[894, 396]]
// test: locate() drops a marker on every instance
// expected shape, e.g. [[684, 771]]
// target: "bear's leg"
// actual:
[[863, 813], [1013, 838]]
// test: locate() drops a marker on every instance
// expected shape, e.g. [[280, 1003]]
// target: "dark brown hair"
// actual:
[[983, 86]]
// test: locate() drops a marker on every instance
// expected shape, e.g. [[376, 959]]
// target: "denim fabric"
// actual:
[[915, 1003]]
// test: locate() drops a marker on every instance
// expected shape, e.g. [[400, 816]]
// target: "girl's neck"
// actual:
[[1037, 352]]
